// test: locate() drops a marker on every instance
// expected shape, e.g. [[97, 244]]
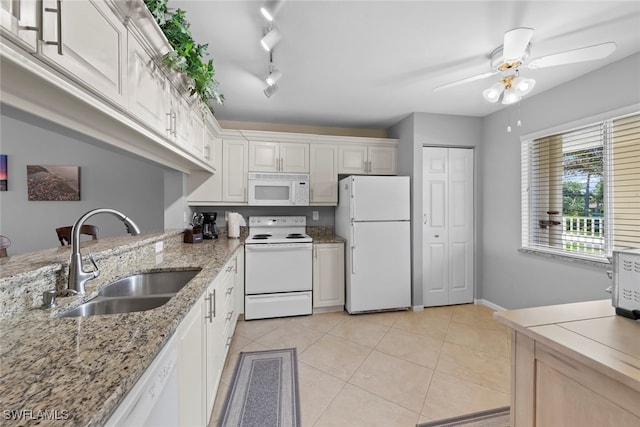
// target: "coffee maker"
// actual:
[[209, 230]]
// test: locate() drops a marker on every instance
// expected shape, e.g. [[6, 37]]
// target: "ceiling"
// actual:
[[368, 64]]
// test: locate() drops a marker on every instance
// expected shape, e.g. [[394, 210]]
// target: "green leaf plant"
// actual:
[[188, 57]]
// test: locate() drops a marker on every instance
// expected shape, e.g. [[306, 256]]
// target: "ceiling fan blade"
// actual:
[[515, 43], [589, 53], [467, 80]]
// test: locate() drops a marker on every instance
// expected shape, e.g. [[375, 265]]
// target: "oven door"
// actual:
[[265, 192], [278, 267]]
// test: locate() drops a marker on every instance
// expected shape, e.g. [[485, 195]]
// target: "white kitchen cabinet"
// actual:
[[323, 174], [180, 130], [148, 89], [86, 41], [191, 365], [239, 289], [328, 276], [278, 157], [367, 159], [234, 171], [197, 140], [19, 22]]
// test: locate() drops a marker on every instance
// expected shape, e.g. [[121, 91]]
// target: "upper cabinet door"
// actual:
[[294, 157], [234, 169], [352, 159], [148, 96], [323, 174], [87, 42], [263, 156], [382, 160], [19, 22]]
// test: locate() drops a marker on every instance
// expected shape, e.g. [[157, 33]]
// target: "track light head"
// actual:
[[273, 77], [270, 90], [270, 9], [271, 39]]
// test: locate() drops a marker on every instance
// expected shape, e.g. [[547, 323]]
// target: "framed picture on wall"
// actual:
[[3, 172], [46, 182]]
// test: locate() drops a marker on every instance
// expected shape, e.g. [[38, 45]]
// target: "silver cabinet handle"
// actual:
[[214, 303], [169, 123], [58, 12], [210, 315], [229, 316], [229, 290], [425, 218]]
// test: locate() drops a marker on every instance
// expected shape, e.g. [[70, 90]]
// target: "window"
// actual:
[[581, 189]]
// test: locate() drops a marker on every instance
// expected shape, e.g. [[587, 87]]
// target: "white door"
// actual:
[[378, 266], [448, 264], [380, 198]]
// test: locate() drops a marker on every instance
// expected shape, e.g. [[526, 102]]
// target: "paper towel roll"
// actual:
[[234, 221]]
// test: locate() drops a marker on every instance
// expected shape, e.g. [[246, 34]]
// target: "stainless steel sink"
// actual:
[[138, 292], [100, 305], [152, 283]]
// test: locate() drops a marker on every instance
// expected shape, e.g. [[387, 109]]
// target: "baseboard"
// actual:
[[417, 308], [489, 304]]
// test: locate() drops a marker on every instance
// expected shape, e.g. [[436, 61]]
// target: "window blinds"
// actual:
[[581, 189]]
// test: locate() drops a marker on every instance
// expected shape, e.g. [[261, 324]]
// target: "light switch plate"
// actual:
[[316, 215]]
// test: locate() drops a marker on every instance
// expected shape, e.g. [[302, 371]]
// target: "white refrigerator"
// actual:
[[373, 215]]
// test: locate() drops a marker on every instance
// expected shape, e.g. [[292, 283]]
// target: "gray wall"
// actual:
[[512, 279], [417, 131], [108, 179]]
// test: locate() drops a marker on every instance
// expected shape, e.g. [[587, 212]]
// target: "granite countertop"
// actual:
[[321, 234], [80, 369]]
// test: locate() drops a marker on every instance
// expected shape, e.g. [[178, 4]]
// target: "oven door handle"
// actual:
[[284, 247]]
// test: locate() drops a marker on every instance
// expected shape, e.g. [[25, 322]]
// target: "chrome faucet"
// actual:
[[77, 276]]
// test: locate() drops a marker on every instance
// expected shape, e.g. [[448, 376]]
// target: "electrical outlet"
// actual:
[[159, 246], [316, 215]]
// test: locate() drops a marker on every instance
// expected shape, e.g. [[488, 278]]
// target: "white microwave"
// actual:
[[278, 189]]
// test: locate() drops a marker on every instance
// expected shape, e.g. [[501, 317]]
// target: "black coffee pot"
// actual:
[[209, 230]]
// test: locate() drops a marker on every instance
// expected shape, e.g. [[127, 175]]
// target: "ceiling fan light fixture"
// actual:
[[492, 94], [270, 9], [523, 86], [270, 90], [273, 77], [510, 97], [271, 39]]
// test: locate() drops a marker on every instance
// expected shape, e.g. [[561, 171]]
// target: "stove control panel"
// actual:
[[277, 221]]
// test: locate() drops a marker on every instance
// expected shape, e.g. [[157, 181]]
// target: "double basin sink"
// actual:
[[138, 292]]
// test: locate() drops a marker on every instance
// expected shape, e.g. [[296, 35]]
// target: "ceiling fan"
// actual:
[[507, 61]]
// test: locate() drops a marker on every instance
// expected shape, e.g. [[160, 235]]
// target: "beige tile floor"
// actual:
[[386, 369]]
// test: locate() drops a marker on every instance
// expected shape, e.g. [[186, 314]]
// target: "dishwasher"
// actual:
[[153, 400]]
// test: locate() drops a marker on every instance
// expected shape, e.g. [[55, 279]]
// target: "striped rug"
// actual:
[[498, 417], [264, 391]]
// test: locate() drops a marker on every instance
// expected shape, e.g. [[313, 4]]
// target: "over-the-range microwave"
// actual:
[[278, 189]]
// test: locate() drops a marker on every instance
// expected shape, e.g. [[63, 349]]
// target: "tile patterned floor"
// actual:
[[386, 369]]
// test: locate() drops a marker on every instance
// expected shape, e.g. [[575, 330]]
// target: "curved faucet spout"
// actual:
[[77, 276]]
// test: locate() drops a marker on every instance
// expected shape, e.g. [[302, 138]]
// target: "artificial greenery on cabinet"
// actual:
[[188, 57]]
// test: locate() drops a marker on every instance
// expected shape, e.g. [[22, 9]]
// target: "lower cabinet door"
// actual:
[[191, 359]]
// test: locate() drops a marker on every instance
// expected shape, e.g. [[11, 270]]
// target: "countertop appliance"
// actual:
[[373, 215], [278, 267], [626, 283], [209, 229], [278, 189]]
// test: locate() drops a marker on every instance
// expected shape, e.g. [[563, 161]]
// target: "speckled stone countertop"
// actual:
[[321, 234], [83, 367]]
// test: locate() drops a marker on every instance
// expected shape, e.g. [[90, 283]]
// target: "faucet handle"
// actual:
[[96, 270]]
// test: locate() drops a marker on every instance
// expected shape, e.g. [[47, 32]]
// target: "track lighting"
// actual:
[[273, 77], [271, 39], [270, 9], [270, 90]]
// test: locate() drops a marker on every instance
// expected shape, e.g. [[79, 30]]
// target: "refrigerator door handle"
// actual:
[[353, 204], [353, 248]]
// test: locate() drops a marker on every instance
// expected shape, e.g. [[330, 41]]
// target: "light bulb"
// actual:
[[270, 8], [492, 94], [523, 86], [510, 97]]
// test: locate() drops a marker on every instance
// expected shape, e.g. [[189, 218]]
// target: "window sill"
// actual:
[[576, 259]]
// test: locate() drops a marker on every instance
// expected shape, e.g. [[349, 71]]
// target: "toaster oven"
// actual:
[[626, 283]]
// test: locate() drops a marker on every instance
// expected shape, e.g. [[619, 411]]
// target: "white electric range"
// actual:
[[278, 267]]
